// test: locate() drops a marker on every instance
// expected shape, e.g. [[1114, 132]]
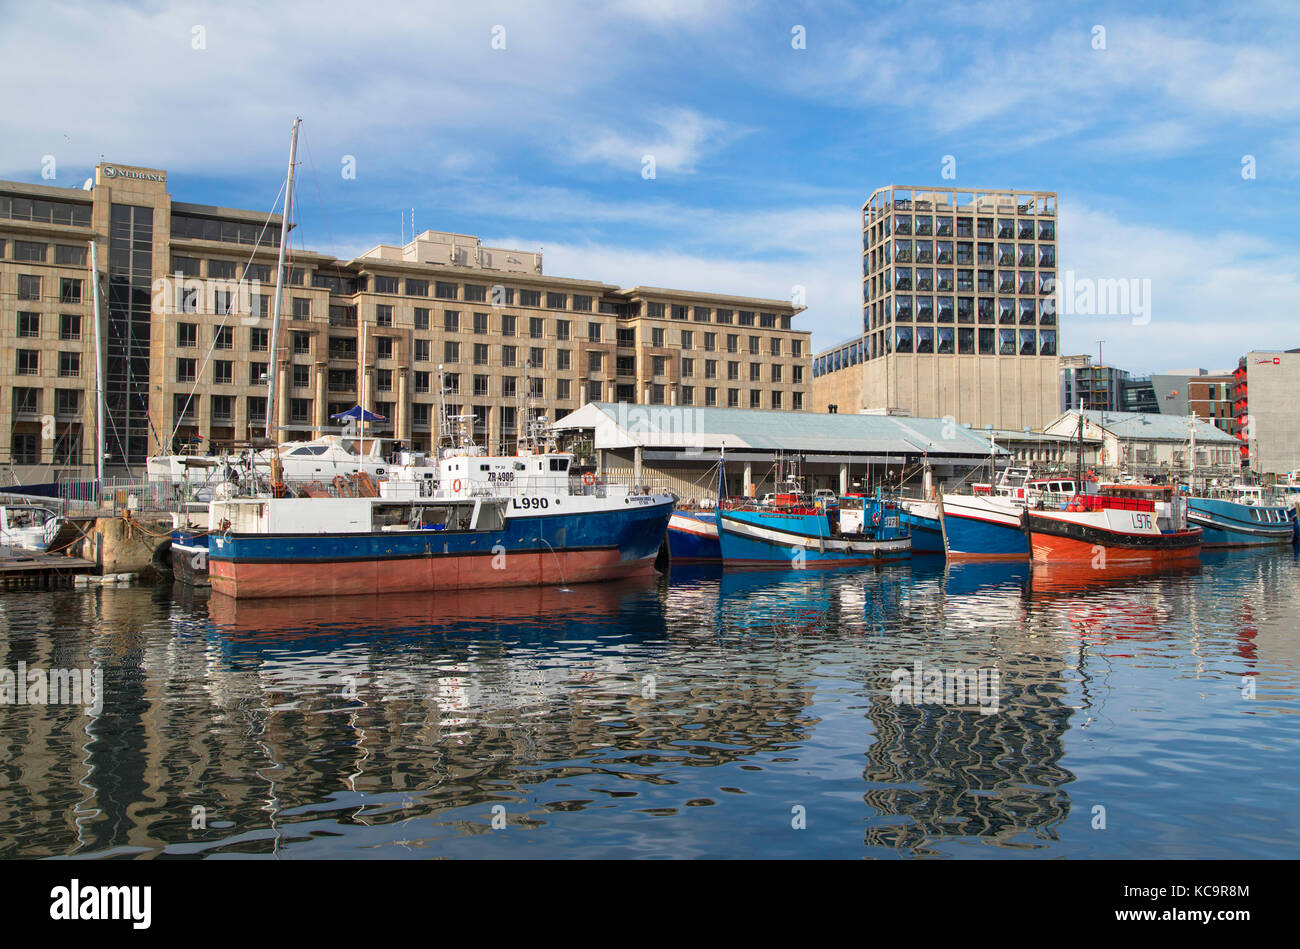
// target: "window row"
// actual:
[[905, 308], [29, 325], [28, 363], [29, 288], [999, 228]]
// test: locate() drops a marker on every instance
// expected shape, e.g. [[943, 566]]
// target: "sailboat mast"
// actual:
[[279, 281], [99, 371]]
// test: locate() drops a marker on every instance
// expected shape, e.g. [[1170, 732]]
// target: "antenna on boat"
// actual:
[[285, 227]]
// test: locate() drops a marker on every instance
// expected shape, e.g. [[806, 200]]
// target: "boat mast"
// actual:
[[1079, 465], [99, 372], [279, 281]]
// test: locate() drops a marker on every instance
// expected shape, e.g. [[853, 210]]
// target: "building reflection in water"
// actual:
[[407, 718]]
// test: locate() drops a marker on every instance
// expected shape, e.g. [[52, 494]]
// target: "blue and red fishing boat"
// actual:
[[499, 521]]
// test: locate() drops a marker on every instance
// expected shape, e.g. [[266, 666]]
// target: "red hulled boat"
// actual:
[[1123, 524]]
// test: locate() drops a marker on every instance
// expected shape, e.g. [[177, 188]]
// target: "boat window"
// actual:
[[559, 464], [483, 467], [311, 450]]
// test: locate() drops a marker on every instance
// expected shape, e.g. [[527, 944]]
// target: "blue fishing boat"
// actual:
[[693, 537], [286, 547], [859, 531], [1242, 521], [922, 520], [983, 527]]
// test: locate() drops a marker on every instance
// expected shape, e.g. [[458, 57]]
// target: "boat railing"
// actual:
[[1101, 502]]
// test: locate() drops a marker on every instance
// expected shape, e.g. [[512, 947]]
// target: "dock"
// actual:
[[30, 570]]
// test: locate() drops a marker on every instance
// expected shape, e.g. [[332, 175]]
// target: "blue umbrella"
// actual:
[[358, 414]]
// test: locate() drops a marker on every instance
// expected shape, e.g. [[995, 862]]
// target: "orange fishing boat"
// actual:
[[1122, 524]]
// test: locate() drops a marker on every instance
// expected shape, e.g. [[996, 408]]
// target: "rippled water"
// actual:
[[711, 714]]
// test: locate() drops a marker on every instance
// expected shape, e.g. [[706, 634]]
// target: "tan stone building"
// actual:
[[959, 309], [186, 315]]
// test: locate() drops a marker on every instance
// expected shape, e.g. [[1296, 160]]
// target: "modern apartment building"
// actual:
[[959, 309], [186, 306]]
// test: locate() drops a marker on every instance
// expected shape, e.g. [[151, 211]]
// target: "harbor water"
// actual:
[[707, 713]]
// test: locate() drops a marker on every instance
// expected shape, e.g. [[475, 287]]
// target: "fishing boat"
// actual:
[[28, 526], [693, 536], [989, 525], [921, 518], [860, 530], [492, 521], [1241, 516], [489, 528], [1122, 524]]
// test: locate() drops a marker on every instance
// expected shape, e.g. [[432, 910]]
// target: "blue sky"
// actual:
[[764, 153]]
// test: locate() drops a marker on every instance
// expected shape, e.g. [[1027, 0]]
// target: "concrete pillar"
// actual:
[[844, 478], [637, 454]]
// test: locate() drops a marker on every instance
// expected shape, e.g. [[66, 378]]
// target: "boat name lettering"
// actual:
[[530, 503], [501, 476], [1142, 521]]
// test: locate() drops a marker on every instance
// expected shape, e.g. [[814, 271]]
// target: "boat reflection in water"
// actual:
[[1067, 577], [521, 609]]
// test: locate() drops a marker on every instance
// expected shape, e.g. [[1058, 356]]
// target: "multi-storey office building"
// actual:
[[959, 309], [186, 317], [1099, 387]]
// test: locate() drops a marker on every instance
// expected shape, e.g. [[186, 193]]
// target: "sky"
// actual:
[[1169, 131]]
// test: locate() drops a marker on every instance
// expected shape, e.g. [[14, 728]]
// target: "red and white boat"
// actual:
[[1123, 524]]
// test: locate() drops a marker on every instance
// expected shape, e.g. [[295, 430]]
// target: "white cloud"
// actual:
[[391, 84], [1210, 295], [681, 138]]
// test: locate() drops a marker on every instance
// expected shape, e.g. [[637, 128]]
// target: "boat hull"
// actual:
[[527, 551], [981, 529], [189, 557], [693, 537], [757, 539], [1062, 539], [1231, 524], [927, 532]]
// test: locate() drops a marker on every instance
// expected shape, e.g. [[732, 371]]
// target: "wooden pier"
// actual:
[[30, 570]]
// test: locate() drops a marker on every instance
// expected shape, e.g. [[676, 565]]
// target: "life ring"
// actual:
[[875, 518], [589, 478], [455, 486]]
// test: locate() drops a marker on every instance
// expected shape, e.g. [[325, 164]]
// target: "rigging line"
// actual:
[[230, 302]]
